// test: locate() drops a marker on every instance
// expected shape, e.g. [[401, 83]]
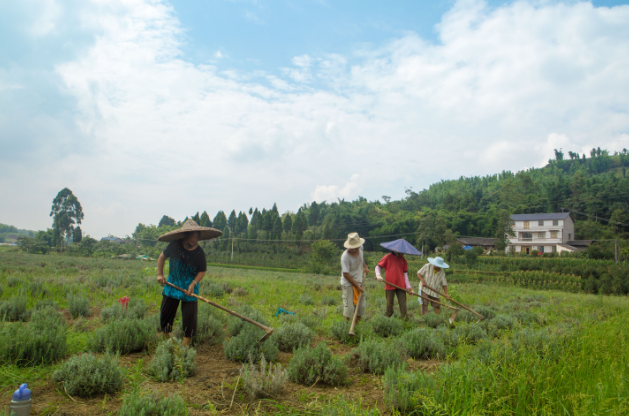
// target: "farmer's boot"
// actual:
[[186, 341]]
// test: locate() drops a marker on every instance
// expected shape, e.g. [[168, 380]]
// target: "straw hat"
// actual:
[[205, 233], [438, 261], [353, 241]]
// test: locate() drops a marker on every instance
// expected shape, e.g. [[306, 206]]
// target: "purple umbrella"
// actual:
[[401, 246]]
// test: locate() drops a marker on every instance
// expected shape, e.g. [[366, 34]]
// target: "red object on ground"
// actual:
[[124, 301]]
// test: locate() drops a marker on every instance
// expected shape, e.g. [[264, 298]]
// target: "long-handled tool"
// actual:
[[351, 328], [268, 330], [455, 302], [456, 310]]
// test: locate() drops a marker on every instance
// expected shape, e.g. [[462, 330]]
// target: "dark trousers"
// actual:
[[401, 300], [188, 316]]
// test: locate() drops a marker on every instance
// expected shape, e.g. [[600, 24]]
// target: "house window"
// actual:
[[526, 236], [540, 223], [526, 225], [555, 222], [569, 237], [541, 235], [554, 249], [541, 249], [554, 234]]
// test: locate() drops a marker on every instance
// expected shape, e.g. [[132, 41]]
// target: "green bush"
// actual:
[[235, 325], [340, 330], [488, 312], [434, 321], [526, 318], [209, 329], [124, 336], [448, 337], [136, 309], [215, 290], [14, 310], [306, 299], [386, 327], [471, 333], [239, 347], [330, 301], [400, 388], [78, 305], [265, 380], [86, 375], [46, 303], [312, 321], [152, 405], [41, 341], [310, 365], [172, 361], [421, 343], [375, 356], [499, 323], [291, 336]]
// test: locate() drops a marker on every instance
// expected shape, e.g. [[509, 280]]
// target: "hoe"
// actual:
[[460, 304], [351, 328], [456, 310], [268, 330]]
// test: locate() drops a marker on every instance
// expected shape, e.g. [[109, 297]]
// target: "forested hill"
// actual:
[[592, 188]]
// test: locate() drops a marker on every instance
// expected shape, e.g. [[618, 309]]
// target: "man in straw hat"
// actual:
[[353, 267], [186, 269], [432, 275]]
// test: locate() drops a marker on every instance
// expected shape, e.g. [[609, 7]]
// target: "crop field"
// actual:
[[538, 352]]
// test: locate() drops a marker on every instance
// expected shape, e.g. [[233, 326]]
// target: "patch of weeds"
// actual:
[[214, 289], [209, 329], [306, 299], [310, 365], [86, 375], [124, 336], [153, 405], [291, 336], [264, 380], [499, 323], [241, 291], [312, 321], [401, 387], [339, 310], [421, 343], [375, 356], [41, 341], [172, 361], [434, 320], [526, 318], [487, 311], [14, 310], [448, 337], [78, 305], [246, 343], [386, 327]]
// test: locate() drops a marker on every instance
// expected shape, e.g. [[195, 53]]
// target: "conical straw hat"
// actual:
[[206, 233]]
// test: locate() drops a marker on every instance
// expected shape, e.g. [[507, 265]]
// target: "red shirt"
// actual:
[[395, 267]]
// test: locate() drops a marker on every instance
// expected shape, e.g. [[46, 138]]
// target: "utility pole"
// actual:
[[232, 248], [616, 251]]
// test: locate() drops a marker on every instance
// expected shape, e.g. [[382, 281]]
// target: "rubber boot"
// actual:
[[186, 341]]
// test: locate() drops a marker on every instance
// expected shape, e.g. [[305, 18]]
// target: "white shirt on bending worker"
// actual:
[[433, 276], [353, 268]]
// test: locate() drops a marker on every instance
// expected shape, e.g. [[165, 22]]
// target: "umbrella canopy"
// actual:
[[401, 246], [467, 248]]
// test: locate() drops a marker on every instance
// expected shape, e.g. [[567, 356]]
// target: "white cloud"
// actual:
[[503, 88], [331, 193]]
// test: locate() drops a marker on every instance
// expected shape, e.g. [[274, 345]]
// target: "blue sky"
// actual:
[[152, 107]]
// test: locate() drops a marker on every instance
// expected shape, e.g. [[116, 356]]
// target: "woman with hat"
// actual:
[[396, 269], [432, 275], [186, 269], [353, 267]]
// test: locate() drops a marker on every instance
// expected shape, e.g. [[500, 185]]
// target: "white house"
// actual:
[[547, 233]]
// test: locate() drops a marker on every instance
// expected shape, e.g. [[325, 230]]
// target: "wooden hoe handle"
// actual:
[[423, 297], [351, 328], [455, 302], [268, 330]]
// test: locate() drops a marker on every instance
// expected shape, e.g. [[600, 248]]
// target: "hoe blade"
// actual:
[[267, 335], [453, 317]]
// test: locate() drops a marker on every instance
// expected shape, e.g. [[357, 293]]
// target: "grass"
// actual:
[[486, 372]]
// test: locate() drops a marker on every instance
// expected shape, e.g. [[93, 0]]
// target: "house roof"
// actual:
[[477, 241], [539, 217], [580, 243], [110, 238], [571, 247]]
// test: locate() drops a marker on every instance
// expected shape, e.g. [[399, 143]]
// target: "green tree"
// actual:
[[503, 231], [196, 218], [66, 212], [242, 224], [205, 220], [288, 222], [77, 235], [166, 221], [277, 229], [220, 221], [313, 213], [232, 221], [300, 224]]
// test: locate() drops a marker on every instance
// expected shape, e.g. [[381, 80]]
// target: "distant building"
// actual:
[[546, 233], [486, 243], [114, 240]]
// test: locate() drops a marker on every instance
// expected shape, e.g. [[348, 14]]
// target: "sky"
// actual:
[[146, 108]]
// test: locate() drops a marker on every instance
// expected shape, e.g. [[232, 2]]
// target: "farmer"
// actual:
[[187, 268], [396, 269], [353, 267], [432, 275]]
